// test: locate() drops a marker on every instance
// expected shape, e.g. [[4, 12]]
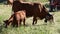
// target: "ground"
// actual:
[[39, 28]]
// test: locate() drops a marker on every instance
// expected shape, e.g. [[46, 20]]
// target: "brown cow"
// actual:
[[34, 9], [17, 18]]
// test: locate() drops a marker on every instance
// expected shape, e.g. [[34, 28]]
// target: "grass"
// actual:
[[39, 28]]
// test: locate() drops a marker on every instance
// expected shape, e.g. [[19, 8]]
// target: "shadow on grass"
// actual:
[[28, 25]]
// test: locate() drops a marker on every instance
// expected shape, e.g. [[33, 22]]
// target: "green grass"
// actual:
[[39, 28]]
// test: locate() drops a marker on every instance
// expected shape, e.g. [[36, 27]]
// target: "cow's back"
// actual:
[[36, 9]]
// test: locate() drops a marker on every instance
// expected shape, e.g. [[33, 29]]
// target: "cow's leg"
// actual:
[[14, 20], [45, 20], [24, 21], [11, 18], [20, 21], [34, 19], [14, 23], [17, 19]]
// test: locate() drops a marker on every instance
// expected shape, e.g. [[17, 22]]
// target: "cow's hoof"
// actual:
[[45, 21], [33, 24]]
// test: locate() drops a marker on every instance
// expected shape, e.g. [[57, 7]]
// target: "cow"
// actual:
[[33, 9], [17, 18]]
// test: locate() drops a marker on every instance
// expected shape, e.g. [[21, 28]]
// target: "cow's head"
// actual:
[[5, 22], [49, 18]]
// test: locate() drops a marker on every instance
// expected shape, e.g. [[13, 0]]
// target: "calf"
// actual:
[[17, 18]]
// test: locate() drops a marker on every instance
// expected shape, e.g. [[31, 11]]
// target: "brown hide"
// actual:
[[36, 9]]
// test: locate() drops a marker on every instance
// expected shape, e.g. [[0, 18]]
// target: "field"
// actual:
[[39, 28]]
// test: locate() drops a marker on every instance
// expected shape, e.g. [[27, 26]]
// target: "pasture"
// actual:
[[39, 28]]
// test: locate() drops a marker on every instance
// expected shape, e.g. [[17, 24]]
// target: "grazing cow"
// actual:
[[34, 9], [17, 18]]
